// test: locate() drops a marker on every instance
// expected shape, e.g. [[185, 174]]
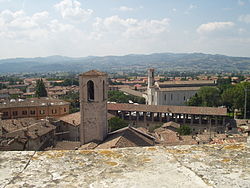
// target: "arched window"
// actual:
[[91, 93], [103, 89]]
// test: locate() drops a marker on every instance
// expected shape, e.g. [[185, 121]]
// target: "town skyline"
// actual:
[[78, 28]]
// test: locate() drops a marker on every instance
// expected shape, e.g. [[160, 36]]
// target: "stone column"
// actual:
[[123, 115], [160, 116], [192, 119], [184, 118], [224, 121], [210, 120], [168, 118], [144, 117], [152, 116], [130, 116], [216, 120], [175, 117], [200, 119], [137, 116]]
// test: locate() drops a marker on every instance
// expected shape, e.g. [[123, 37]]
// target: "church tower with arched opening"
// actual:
[[93, 106]]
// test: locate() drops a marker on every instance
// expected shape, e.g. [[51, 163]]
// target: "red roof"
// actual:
[[168, 109]]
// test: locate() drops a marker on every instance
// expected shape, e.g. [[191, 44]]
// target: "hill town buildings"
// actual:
[[37, 108]]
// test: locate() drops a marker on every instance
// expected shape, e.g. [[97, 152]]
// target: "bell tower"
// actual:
[[93, 106]]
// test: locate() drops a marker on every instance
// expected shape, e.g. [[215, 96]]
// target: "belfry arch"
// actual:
[[90, 91]]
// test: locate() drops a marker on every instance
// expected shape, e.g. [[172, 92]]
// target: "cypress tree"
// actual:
[[40, 89]]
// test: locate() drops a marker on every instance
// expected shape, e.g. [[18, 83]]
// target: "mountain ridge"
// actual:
[[135, 62]]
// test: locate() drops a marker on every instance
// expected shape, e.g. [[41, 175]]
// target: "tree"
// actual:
[[224, 84], [206, 96], [120, 97], [184, 130], [210, 96], [40, 89], [234, 97], [73, 98], [2, 86], [194, 101], [116, 123]]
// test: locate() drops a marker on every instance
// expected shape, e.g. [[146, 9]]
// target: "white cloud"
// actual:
[[214, 26], [245, 18], [125, 9], [241, 31], [190, 8], [241, 2], [129, 27], [17, 26], [3, 1], [71, 9]]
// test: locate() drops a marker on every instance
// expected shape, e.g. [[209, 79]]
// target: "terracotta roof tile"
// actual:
[[75, 118], [180, 89], [94, 73], [126, 137], [168, 109]]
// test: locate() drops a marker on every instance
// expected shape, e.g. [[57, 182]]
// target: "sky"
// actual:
[[79, 28]]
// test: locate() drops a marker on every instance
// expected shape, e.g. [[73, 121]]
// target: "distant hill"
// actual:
[[160, 61]]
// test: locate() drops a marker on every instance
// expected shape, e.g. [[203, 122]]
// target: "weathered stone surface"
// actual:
[[179, 166]]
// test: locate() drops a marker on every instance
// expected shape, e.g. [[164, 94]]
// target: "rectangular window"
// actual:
[[42, 111], [171, 96], [65, 110], [5, 113], [165, 97], [32, 112], [15, 113], [24, 112], [184, 98], [54, 111]]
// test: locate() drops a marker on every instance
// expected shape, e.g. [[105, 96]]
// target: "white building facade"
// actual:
[[175, 93]]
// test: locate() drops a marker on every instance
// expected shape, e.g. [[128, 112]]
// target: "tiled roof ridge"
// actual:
[[94, 73], [144, 134]]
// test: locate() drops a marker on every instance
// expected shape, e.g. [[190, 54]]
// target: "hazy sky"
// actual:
[[77, 28]]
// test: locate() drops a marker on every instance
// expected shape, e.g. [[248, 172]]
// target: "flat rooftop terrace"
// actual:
[[201, 166]]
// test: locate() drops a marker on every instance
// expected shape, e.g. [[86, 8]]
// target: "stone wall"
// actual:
[[203, 166]]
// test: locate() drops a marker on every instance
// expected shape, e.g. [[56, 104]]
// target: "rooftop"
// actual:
[[126, 137], [32, 102], [200, 166], [168, 109], [11, 125], [75, 118], [131, 92], [93, 73], [34, 130], [180, 89], [26, 127], [189, 82]]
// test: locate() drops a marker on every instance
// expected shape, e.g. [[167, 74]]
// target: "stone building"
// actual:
[[68, 127], [33, 108], [172, 92], [93, 99], [26, 134]]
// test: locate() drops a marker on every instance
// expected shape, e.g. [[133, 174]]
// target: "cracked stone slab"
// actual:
[[179, 166]]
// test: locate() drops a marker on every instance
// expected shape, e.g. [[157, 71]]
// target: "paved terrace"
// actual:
[[202, 166], [182, 114]]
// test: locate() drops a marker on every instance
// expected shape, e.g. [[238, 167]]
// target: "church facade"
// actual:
[[175, 93]]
